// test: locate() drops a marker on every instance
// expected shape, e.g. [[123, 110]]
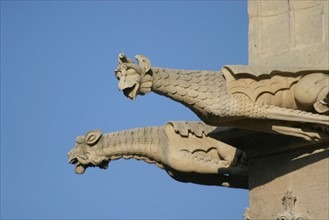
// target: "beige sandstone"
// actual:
[[276, 108]]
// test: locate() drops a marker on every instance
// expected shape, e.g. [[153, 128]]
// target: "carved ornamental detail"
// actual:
[[186, 150], [292, 102], [288, 201]]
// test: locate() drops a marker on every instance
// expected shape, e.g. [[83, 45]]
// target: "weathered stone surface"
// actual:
[[278, 107], [304, 172], [237, 96], [188, 151], [288, 33]]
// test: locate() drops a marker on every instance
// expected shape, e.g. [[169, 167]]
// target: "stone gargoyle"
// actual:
[[186, 150], [291, 102]]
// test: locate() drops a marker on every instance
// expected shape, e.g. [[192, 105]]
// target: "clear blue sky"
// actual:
[[57, 82]]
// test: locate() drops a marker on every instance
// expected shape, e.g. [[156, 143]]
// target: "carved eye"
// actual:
[[91, 139], [93, 136]]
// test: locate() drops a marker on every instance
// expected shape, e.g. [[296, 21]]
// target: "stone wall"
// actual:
[[288, 33], [303, 172]]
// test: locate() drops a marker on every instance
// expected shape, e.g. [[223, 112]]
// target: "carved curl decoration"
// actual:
[[288, 201], [290, 102]]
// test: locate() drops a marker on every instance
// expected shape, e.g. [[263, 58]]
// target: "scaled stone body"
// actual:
[[293, 102], [274, 94], [186, 150]]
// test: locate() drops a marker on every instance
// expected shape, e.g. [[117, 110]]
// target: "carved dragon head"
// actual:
[[134, 79], [86, 152]]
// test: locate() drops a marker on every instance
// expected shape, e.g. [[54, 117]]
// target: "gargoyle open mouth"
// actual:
[[131, 92], [73, 160], [81, 168]]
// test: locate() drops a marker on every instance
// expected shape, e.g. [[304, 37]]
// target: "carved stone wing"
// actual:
[[197, 128], [255, 81], [253, 88]]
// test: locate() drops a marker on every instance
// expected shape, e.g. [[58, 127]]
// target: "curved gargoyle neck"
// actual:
[[139, 143], [196, 89]]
